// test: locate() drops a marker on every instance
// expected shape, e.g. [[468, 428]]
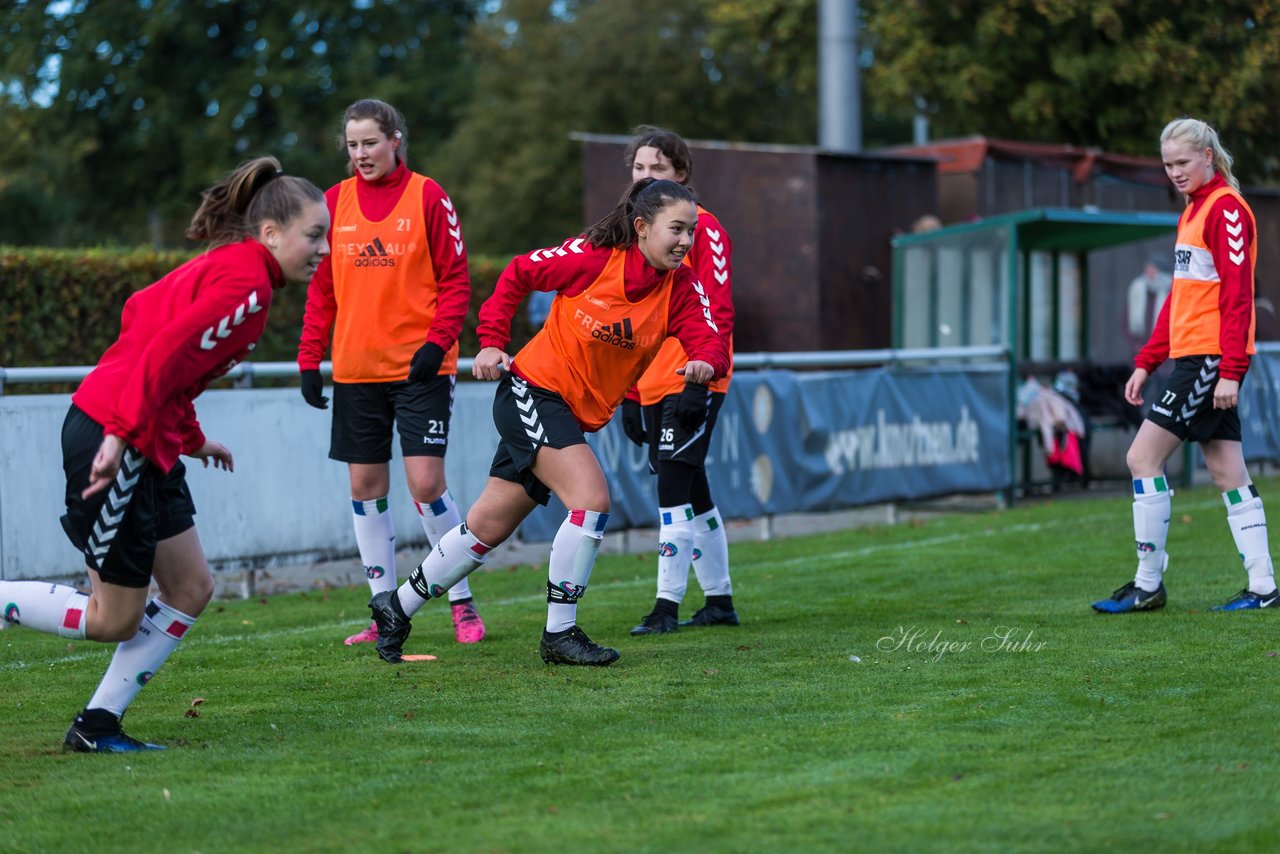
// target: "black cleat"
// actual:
[[393, 627], [574, 647], [101, 733], [712, 615], [656, 623]]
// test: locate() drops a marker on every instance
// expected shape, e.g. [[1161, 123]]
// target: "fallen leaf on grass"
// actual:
[[711, 672]]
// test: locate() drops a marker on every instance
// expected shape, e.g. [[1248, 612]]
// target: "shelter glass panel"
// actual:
[[1070, 302], [1040, 306], [917, 302], [950, 330]]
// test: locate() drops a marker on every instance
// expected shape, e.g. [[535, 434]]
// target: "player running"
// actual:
[[128, 507], [621, 290]]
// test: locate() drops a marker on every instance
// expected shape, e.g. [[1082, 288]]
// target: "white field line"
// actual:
[[738, 567]]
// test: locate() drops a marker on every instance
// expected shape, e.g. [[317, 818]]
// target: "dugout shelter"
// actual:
[[1020, 281]]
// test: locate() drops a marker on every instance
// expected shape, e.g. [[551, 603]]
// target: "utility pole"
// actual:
[[839, 88]]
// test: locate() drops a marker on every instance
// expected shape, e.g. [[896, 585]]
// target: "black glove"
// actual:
[[425, 363], [691, 408], [633, 422], [313, 389]]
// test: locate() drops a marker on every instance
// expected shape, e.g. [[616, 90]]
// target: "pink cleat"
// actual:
[[467, 625], [369, 635]]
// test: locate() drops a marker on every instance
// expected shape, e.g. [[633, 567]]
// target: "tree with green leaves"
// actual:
[[543, 70], [1091, 72], [127, 108]]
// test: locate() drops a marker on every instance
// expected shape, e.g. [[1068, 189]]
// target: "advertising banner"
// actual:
[[792, 442]]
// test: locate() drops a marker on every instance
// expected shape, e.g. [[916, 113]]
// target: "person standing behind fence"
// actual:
[[129, 510], [1207, 325], [394, 296], [621, 289], [675, 420]]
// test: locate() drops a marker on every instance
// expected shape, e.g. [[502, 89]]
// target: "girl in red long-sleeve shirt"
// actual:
[[675, 421], [393, 297], [1207, 325], [621, 290], [128, 507]]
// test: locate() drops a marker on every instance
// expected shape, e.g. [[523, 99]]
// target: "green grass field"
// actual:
[[927, 686]]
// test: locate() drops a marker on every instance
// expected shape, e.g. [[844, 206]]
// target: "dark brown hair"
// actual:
[[389, 120], [670, 143], [645, 199], [254, 192]]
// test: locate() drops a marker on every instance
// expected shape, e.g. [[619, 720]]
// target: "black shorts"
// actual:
[[364, 412], [528, 417], [669, 441], [158, 507], [1185, 407]]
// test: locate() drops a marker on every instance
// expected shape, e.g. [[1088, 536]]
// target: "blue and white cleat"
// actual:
[[1131, 597], [1247, 600], [82, 741]]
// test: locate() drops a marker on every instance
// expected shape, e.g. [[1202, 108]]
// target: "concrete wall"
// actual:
[[283, 474]]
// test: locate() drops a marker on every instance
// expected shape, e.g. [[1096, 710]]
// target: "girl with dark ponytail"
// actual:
[[129, 511], [621, 290]]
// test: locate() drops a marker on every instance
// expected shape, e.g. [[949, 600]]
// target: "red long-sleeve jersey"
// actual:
[[448, 257], [712, 258], [1230, 243], [572, 267], [176, 336]]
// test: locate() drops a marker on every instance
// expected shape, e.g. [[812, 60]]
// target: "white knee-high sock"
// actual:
[[1151, 509], [675, 551], [1248, 521], [55, 609], [711, 554], [376, 539], [137, 659], [573, 554], [438, 517], [457, 555]]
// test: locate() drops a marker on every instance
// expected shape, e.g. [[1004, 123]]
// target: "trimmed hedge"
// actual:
[[63, 306]]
